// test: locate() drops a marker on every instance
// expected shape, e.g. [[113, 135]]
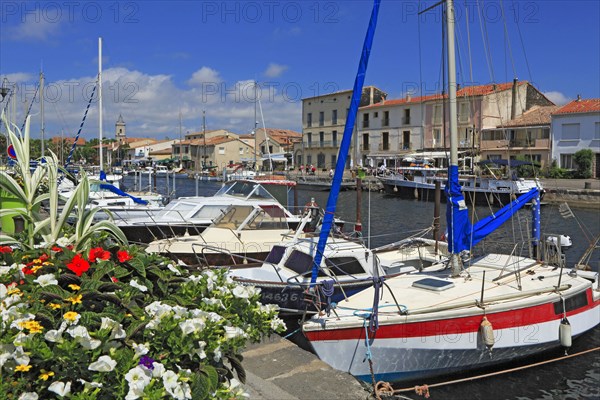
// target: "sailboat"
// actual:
[[466, 313]]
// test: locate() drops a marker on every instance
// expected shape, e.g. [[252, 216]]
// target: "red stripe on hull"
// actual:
[[500, 320]]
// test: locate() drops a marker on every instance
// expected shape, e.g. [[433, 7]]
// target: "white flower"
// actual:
[[210, 279], [140, 349], [180, 312], [217, 356], [89, 384], [158, 309], [158, 370], [200, 351], [138, 286], [170, 379], [63, 242], [29, 396], [4, 357], [117, 329], [173, 269], [4, 270], [104, 364], [232, 332], [180, 392], [193, 325], [241, 292], [138, 378], [276, 323], [213, 302], [46, 280], [60, 388], [81, 335]]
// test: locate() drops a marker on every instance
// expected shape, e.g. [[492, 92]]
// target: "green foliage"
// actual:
[[583, 159], [181, 339]]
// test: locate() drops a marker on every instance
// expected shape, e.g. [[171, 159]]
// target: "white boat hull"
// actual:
[[404, 352]]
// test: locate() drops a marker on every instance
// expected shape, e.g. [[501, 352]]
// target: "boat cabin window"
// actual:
[[276, 254], [233, 217], [344, 265], [268, 218], [178, 209], [299, 262], [572, 303], [208, 212]]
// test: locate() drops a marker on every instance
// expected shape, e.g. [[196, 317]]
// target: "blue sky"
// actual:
[[160, 58]]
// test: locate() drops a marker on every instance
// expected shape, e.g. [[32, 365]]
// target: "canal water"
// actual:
[[390, 218]]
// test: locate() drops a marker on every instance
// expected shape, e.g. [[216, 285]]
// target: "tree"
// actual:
[[583, 159]]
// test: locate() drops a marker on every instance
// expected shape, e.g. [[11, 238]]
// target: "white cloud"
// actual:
[[36, 26], [204, 75], [557, 98], [19, 77], [150, 105], [275, 70]]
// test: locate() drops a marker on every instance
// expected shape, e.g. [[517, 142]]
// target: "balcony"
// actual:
[[321, 144]]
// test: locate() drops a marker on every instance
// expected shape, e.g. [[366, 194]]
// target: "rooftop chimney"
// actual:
[[408, 96], [513, 108], [578, 97]]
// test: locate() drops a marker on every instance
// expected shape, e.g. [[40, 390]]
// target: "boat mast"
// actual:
[[455, 261], [100, 100], [43, 124], [204, 138], [180, 153]]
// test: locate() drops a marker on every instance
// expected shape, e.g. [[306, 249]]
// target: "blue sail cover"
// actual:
[[461, 234], [345, 144], [116, 190], [457, 214]]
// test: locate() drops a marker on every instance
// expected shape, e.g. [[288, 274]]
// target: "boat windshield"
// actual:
[[209, 212], [268, 217], [245, 190], [233, 217]]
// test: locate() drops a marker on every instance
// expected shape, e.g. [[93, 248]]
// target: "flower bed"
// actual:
[[122, 324]]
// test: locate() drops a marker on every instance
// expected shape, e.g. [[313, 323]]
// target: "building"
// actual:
[[323, 121], [479, 108], [390, 129], [120, 130], [218, 151], [194, 150], [277, 143], [576, 126], [527, 137]]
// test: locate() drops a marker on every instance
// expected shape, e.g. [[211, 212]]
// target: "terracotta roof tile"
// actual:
[[580, 106], [534, 116]]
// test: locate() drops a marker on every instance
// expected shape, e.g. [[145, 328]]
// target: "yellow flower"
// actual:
[[45, 375], [54, 306], [75, 300], [37, 261], [73, 286], [33, 326], [14, 291], [71, 316], [25, 257], [35, 268], [22, 368], [46, 263]]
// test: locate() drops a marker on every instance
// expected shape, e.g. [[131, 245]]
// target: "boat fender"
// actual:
[[487, 333], [564, 334], [395, 188], [416, 193]]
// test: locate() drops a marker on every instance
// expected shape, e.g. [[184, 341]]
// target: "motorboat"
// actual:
[[186, 216]]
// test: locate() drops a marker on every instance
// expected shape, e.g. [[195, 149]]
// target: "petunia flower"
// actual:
[[103, 364], [28, 396], [123, 256], [147, 362], [60, 388], [6, 249], [98, 253], [46, 280], [137, 285], [78, 265]]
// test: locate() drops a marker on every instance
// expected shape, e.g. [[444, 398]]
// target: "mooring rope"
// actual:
[[30, 105], [385, 388], [81, 127]]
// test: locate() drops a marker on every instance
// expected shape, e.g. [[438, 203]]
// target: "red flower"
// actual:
[[123, 256], [44, 257], [78, 265], [5, 249], [98, 253], [27, 271], [70, 247], [114, 279], [57, 249]]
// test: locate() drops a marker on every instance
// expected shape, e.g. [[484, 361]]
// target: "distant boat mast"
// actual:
[[100, 100]]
